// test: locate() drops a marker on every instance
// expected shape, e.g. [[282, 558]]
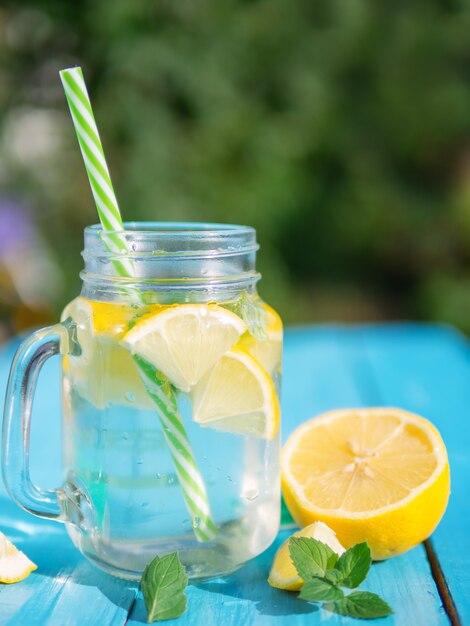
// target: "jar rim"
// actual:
[[170, 255], [198, 230]]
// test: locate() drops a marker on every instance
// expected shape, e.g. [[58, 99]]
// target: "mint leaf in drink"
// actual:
[[361, 604], [311, 557], [320, 590], [163, 583], [353, 565]]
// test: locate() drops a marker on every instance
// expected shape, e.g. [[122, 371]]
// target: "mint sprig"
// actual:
[[163, 583], [324, 573]]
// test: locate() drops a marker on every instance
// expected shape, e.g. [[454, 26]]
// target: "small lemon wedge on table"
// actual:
[[283, 574], [379, 475], [14, 565]]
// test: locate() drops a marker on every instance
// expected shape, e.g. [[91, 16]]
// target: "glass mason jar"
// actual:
[[171, 417]]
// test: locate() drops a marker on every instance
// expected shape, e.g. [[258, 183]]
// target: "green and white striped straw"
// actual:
[[162, 394]]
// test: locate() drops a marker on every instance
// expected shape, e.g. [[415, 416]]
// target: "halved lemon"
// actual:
[[14, 565], [237, 395], [184, 341], [283, 574], [267, 349], [379, 475]]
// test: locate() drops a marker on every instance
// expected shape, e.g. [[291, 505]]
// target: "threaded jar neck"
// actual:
[[209, 260]]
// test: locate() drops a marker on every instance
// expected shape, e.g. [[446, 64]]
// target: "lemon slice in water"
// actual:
[[268, 349], [237, 395], [14, 565], [104, 373], [185, 341]]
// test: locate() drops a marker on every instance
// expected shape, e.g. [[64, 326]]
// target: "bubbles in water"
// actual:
[[204, 458], [229, 478], [124, 437], [196, 522], [171, 480], [139, 462], [250, 494], [159, 475], [144, 504], [130, 396]]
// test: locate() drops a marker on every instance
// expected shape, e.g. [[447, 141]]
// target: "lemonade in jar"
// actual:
[[171, 409]]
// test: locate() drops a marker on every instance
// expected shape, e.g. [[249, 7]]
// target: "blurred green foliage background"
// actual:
[[339, 129]]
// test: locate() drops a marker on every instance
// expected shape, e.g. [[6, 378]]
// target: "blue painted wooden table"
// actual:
[[421, 368]]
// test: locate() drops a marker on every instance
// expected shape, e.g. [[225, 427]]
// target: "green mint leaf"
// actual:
[[334, 576], [361, 604], [163, 583], [353, 565], [311, 557], [320, 590]]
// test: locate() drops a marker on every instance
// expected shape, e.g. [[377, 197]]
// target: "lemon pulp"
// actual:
[[379, 475]]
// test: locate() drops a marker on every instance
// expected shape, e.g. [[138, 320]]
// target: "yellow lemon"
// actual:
[[104, 372], [185, 341], [14, 565], [379, 475], [237, 395], [283, 574], [268, 348]]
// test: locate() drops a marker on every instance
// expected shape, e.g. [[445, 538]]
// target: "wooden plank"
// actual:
[[426, 369], [324, 368], [65, 590]]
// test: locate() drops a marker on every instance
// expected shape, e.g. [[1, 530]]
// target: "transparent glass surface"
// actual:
[[123, 501]]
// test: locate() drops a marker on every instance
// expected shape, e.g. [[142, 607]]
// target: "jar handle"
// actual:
[[25, 368]]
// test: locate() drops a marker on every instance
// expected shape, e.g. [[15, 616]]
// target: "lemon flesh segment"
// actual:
[[283, 574], [185, 341], [237, 395], [379, 475], [104, 372], [268, 349], [14, 565]]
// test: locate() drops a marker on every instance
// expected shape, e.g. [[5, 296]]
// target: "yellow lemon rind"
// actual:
[[392, 529]]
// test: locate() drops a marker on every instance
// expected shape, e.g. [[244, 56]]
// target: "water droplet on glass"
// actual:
[[229, 478], [144, 504], [196, 522], [124, 436], [218, 469], [204, 458], [171, 480], [159, 475], [139, 462], [130, 396]]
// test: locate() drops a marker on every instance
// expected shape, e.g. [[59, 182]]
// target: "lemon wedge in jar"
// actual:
[[267, 349], [237, 395], [184, 341], [103, 372]]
